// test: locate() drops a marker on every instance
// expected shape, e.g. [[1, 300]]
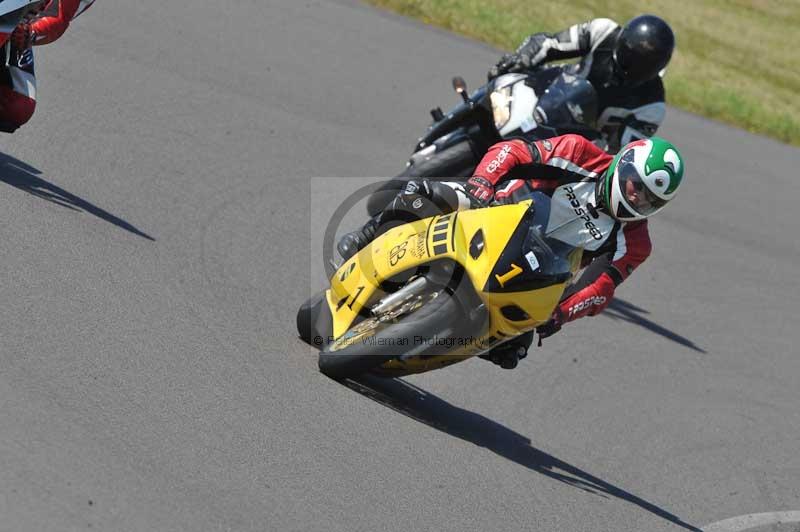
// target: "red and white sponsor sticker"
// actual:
[[499, 159]]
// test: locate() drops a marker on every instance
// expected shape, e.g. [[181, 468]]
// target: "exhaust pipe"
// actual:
[[392, 301]]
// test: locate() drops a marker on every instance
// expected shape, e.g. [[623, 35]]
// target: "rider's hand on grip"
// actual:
[[503, 66], [480, 190], [516, 62]]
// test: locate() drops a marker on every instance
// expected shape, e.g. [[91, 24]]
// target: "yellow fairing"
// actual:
[[406, 247], [358, 280], [498, 225]]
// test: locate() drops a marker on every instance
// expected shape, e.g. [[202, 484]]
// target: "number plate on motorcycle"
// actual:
[[533, 262]]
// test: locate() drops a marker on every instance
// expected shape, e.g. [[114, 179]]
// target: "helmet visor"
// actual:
[[636, 67], [633, 189]]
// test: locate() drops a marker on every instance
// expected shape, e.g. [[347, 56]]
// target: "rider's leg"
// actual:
[[17, 90], [420, 199]]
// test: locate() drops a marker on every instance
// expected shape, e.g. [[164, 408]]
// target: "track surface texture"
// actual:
[[154, 232]]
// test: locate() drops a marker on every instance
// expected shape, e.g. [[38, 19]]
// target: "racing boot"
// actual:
[[352, 243], [419, 199], [508, 355]]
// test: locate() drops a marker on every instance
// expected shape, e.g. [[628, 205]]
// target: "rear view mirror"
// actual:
[[460, 86]]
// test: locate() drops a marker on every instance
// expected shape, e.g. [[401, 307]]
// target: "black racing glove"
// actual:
[[503, 66], [516, 62], [522, 59]]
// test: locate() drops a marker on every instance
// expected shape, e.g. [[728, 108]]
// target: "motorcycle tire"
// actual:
[[441, 317]]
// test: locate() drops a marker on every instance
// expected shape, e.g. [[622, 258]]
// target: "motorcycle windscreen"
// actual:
[[568, 100]]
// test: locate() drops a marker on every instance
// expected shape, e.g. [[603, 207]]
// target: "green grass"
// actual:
[[737, 61]]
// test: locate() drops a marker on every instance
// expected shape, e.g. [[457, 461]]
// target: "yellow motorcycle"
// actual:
[[437, 291]]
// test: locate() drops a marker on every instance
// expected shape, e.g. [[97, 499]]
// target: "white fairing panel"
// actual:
[[567, 222], [523, 103], [83, 6], [9, 6]]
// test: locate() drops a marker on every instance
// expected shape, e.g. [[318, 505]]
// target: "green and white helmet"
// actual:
[[641, 180]]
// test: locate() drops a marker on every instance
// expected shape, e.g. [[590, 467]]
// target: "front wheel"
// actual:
[[377, 340], [455, 161]]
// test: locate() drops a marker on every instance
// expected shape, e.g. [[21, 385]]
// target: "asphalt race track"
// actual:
[[156, 242]]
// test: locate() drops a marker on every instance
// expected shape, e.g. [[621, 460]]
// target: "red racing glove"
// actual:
[[480, 190]]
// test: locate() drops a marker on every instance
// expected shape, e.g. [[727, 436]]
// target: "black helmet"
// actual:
[[643, 48]]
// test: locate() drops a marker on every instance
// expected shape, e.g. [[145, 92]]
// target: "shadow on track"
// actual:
[[620, 309], [429, 409], [25, 177]]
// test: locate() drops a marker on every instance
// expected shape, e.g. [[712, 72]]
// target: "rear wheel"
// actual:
[[456, 161]]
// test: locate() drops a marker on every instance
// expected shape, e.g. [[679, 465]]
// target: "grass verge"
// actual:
[[737, 61]]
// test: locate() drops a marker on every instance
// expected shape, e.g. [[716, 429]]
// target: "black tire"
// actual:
[[314, 321], [441, 317], [458, 160]]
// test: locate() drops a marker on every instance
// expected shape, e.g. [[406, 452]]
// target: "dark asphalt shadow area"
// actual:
[[619, 309], [25, 177], [435, 412]]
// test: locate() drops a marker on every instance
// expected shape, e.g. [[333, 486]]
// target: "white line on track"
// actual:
[[746, 522]]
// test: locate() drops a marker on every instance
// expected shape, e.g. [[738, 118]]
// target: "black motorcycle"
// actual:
[[534, 105]]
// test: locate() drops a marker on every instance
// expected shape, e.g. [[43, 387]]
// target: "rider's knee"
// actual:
[[15, 109]]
